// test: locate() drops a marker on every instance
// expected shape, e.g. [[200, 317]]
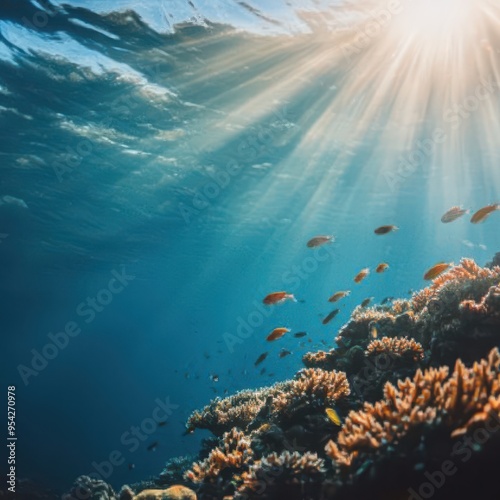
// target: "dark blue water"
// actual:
[[158, 179]]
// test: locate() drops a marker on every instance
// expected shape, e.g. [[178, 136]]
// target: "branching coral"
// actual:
[[316, 384], [457, 402], [399, 347], [234, 452], [464, 281], [268, 477], [239, 410], [249, 409]]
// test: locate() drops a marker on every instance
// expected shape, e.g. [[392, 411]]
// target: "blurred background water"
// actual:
[[195, 147]]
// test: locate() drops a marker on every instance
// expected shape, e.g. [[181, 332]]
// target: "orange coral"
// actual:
[[455, 281], [400, 347], [459, 402], [234, 452]]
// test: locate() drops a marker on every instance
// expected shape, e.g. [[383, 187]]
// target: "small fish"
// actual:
[[152, 446], [131, 466], [284, 352], [163, 423], [339, 295], [278, 298], [319, 240], [453, 213], [299, 335], [261, 358], [436, 270], [277, 333], [262, 371], [381, 267], [330, 316], [189, 430], [333, 416], [361, 275], [270, 374], [214, 377], [366, 301], [373, 331], [387, 299], [483, 213], [323, 341], [385, 229]]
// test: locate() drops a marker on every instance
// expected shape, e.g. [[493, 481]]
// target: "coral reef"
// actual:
[[396, 347], [174, 470], [90, 489], [289, 475], [234, 453], [462, 401], [416, 385], [249, 409]]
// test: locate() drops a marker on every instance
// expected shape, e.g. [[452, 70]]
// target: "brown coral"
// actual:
[[400, 347], [234, 452], [458, 402]]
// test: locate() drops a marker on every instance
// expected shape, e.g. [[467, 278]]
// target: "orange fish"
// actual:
[[319, 240], [483, 213], [385, 229], [277, 333], [361, 275], [436, 270], [382, 267], [339, 295], [278, 298], [330, 316], [453, 213]]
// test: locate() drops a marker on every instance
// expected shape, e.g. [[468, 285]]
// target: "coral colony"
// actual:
[[406, 406]]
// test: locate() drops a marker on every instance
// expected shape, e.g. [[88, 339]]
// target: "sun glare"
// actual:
[[435, 20]]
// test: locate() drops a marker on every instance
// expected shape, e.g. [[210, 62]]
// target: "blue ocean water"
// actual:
[[163, 167]]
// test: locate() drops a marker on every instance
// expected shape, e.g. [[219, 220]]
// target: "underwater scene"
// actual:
[[250, 249]]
